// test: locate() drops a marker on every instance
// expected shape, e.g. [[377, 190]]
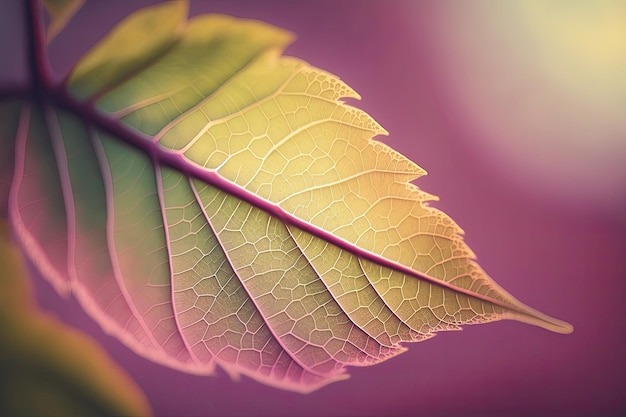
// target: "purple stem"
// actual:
[[40, 75]]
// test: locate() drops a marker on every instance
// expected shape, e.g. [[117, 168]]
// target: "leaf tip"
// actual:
[[537, 318], [558, 326], [562, 327]]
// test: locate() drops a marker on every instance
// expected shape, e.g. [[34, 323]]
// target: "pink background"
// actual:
[[556, 245]]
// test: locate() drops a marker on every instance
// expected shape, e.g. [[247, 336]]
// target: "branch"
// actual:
[[40, 75]]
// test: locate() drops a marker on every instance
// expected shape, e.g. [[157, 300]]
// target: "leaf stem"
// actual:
[[40, 76]]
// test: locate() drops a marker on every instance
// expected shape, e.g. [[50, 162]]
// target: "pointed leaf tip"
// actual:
[[540, 319]]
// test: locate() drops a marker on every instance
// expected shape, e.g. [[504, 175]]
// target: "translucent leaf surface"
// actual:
[[211, 202]]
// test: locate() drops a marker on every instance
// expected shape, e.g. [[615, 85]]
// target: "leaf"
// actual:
[[210, 202], [61, 12], [72, 375]]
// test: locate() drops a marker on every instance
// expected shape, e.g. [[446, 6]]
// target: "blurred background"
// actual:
[[517, 110]]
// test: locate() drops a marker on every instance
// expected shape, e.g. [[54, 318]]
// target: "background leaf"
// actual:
[[60, 11], [47, 368]]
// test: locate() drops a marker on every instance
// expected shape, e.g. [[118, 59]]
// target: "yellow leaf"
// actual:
[[219, 204]]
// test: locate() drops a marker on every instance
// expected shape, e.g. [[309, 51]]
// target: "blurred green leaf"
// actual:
[[47, 368]]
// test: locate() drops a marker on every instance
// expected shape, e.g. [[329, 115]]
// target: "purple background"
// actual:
[[561, 255]]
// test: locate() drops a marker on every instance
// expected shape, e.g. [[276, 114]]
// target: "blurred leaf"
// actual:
[[210, 202], [47, 368], [60, 11]]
